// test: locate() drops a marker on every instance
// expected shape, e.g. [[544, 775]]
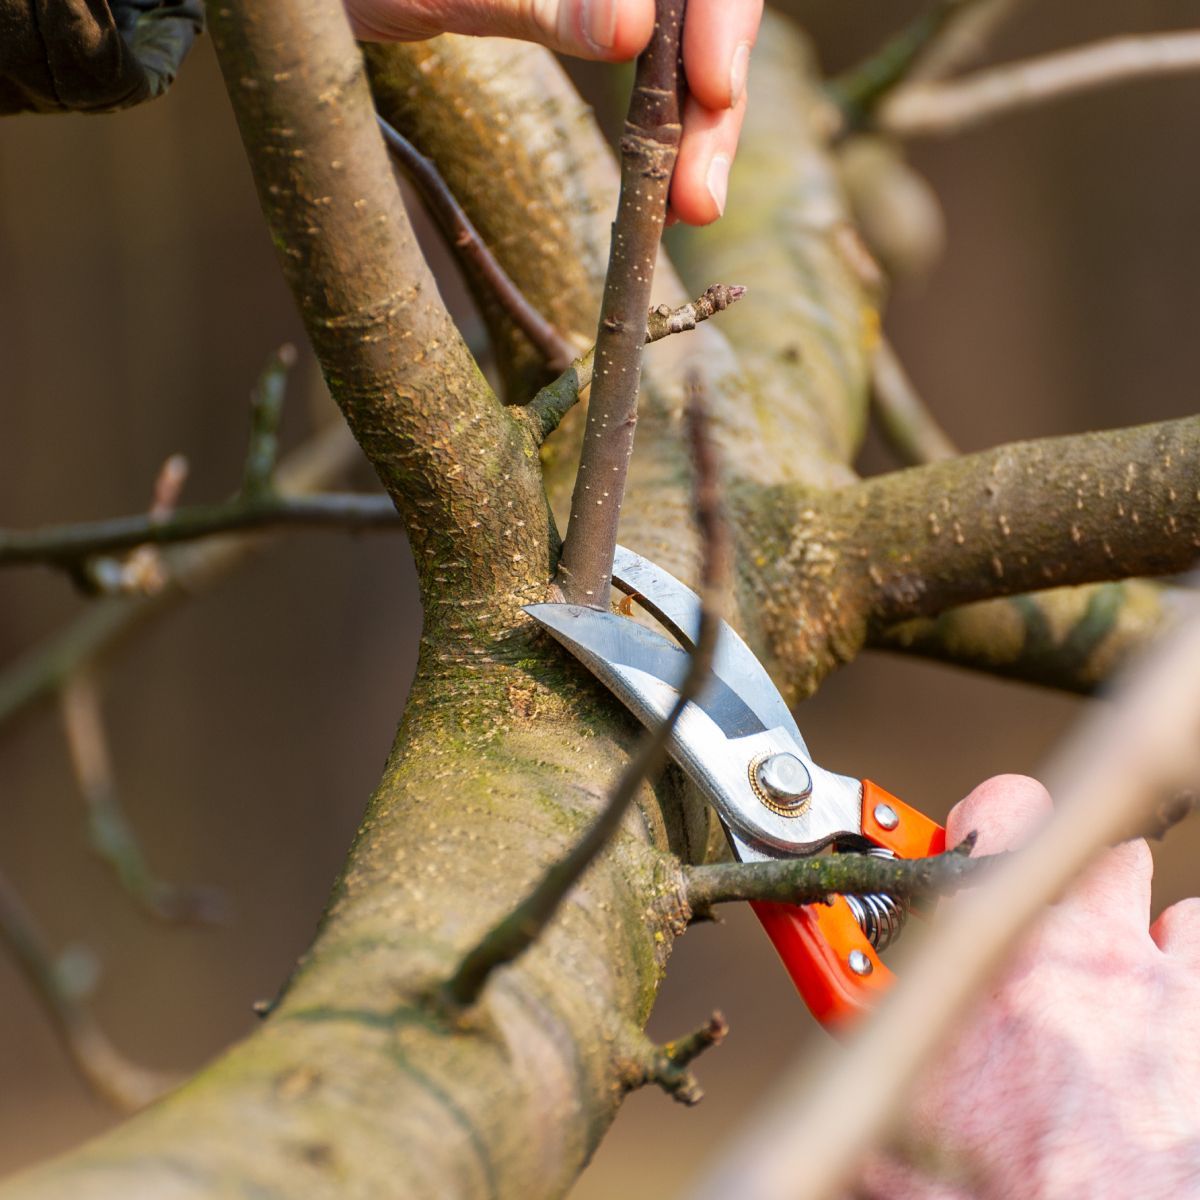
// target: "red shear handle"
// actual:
[[831, 962]]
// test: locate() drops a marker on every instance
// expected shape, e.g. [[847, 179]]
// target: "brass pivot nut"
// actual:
[[782, 782]]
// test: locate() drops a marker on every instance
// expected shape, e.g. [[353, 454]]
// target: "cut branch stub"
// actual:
[[649, 146]]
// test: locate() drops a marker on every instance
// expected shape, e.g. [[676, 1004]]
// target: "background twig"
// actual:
[[904, 420]]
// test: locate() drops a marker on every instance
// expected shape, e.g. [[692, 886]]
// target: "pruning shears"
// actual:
[[740, 745]]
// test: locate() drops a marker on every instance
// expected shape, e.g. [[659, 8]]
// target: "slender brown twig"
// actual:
[[909, 427], [649, 146], [460, 231], [544, 412], [112, 836], [667, 1065], [519, 929], [107, 1072], [811, 880], [937, 109], [63, 545]]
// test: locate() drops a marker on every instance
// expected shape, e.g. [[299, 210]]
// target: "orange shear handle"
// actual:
[[834, 967]]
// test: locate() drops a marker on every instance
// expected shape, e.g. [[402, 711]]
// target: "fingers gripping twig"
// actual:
[[113, 1077], [544, 412], [517, 931], [935, 109], [466, 239], [649, 146]]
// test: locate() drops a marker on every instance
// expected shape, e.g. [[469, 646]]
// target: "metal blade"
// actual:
[[677, 607], [644, 668]]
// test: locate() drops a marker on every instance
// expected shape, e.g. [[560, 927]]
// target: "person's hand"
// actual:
[[1079, 1073], [717, 38]]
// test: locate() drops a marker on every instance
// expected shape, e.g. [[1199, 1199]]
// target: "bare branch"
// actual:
[[964, 39], [1075, 639], [649, 145], [63, 545], [112, 837], [266, 411], [938, 109], [518, 930], [106, 1071], [189, 568], [858, 91], [461, 233], [667, 1065], [556, 399], [812, 880], [1110, 783], [909, 427]]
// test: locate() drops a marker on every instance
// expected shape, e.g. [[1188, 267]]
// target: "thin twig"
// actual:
[[459, 230], [649, 146], [858, 91], [937, 109], [190, 567], [106, 1071], [667, 1065], [909, 427], [964, 39], [812, 880], [111, 834], [62, 545], [1109, 783], [266, 411], [544, 412], [519, 929]]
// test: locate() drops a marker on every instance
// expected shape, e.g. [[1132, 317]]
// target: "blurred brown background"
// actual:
[[138, 298]]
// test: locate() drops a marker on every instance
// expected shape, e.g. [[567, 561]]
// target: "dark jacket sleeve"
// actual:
[[91, 55]]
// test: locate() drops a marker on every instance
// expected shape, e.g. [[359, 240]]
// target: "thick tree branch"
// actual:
[[547, 409], [66, 545], [395, 363], [813, 880], [1027, 516], [456, 226], [516, 932], [938, 109], [649, 145], [106, 1071], [1074, 639]]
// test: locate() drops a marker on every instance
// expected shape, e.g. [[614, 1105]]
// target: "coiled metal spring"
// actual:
[[879, 916]]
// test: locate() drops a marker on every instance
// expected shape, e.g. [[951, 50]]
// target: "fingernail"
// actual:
[[717, 180], [738, 70], [599, 20]]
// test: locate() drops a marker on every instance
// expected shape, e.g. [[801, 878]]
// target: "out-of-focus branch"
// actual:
[[64, 545], [544, 412], [859, 90], [266, 411], [459, 230], [106, 1071], [938, 109], [1075, 639], [189, 569], [112, 837], [964, 39], [1118, 777], [905, 421], [649, 145], [518, 930], [812, 880]]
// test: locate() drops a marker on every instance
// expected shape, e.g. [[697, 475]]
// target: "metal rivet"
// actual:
[[783, 780], [886, 816], [860, 964]]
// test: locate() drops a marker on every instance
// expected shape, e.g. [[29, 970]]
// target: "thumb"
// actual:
[[603, 29], [1004, 811]]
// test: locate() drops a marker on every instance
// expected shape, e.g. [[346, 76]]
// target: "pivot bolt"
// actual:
[[886, 816], [783, 781], [860, 964]]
